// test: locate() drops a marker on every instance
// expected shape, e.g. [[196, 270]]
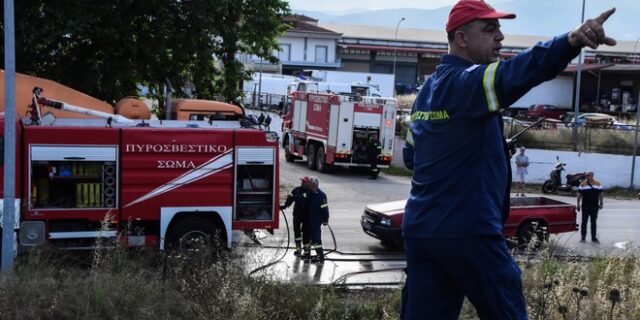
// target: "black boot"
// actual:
[[319, 258]]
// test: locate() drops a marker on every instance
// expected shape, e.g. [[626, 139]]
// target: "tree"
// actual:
[[107, 48], [246, 27]]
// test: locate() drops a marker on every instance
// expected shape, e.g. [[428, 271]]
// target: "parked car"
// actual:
[[595, 120], [531, 218], [623, 126], [537, 111]]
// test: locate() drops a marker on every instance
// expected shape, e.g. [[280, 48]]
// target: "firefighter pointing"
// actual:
[[453, 218]]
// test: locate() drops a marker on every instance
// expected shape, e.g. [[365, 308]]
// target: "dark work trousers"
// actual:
[[441, 272], [300, 229], [316, 237], [586, 214], [373, 166]]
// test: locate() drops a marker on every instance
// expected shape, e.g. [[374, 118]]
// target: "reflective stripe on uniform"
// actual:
[[488, 82], [324, 205], [409, 138]]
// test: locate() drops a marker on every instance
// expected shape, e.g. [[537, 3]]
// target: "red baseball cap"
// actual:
[[466, 11], [305, 179]]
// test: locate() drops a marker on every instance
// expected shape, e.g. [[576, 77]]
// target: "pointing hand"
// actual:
[[591, 33]]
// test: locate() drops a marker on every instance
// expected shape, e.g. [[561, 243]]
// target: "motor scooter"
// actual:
[[554, 183]]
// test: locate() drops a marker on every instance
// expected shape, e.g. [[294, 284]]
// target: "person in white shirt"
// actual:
[[522, 162]]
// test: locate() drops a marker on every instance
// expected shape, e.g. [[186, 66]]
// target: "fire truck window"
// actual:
[[73, 184], [254, 193]]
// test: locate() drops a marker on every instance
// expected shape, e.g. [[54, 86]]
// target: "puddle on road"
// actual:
[[376, 270]]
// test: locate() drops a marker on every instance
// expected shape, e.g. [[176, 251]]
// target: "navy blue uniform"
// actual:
[[453, 218], [299, 198], [318, 214]]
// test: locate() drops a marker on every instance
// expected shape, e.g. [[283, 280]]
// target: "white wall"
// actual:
[[384, 81], [610, 170], [558, 92], [297, 47], [311, 49]]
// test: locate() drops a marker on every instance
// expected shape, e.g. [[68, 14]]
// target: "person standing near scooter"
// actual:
[[522, 162], [590, 196]]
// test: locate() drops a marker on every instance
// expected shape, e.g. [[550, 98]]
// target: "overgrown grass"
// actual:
[[124, 285], [148, 285], [559, 138], [397, 171]]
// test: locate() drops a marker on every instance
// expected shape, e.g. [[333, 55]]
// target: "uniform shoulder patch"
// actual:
[[473, 67]]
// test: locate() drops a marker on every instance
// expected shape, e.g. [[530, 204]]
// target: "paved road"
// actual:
[[348, 193]]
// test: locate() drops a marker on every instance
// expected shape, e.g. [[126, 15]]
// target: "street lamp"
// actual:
[[395, 50], [576, 101], [635, 139]]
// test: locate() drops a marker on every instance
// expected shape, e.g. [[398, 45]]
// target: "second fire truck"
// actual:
[[333, 130]]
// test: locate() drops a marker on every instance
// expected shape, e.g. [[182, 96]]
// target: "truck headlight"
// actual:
[[385, 222], [271, 136]]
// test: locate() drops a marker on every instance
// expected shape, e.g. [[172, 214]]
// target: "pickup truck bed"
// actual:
[[530, 218]]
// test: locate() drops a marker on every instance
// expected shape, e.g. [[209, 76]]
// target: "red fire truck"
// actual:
[[178, 184], [333, 130]]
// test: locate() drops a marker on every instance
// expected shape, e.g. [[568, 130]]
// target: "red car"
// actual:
[[538, 111], [531, 218]]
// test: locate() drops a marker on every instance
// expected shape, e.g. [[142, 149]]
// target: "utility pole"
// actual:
[[635, 139], [576, 101], [8, 203], [395, 53]]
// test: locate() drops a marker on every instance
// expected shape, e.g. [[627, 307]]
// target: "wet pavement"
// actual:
[[350, 269], [370, 262]]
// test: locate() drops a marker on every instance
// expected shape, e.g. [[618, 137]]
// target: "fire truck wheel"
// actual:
[[287, 155], [196, 236], [320, 163], [311, 157]]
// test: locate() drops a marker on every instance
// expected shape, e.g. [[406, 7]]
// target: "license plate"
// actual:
[[366, 225]]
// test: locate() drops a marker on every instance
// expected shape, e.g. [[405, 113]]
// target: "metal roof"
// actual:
[[439, 37]]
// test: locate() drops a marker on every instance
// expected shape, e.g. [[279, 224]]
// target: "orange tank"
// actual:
[[194, 109], [133, 108], [53, 91]]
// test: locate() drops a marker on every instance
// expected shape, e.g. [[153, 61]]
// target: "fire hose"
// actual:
[[286, 249]]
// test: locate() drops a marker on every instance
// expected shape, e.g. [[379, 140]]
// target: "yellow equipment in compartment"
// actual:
[[88, 195], [86, 169]]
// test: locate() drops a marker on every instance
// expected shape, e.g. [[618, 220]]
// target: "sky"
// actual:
[[340, 5], [534, 16]]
